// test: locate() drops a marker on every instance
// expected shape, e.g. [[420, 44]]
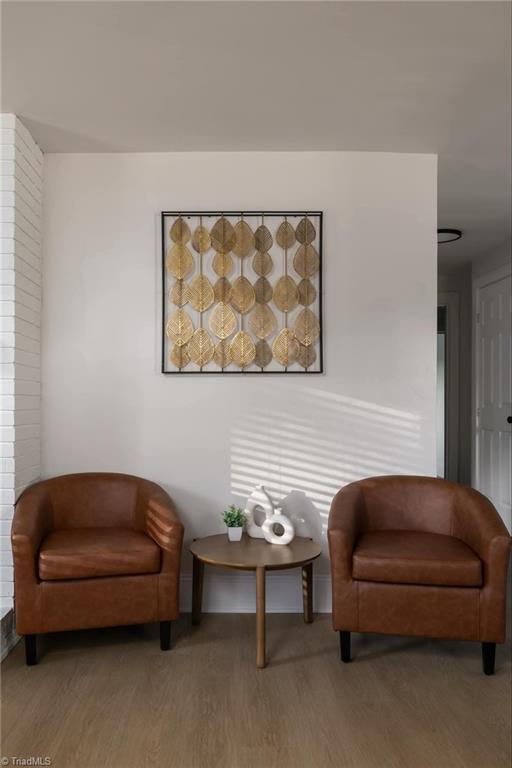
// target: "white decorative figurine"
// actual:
[[260, 500], [278, 519]]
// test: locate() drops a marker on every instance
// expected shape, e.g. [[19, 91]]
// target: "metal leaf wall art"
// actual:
[[244, 239], [242, 292], [263, 290], [201, 240], [243, 296], [200, 293], [262, 263], [223, 264], [223, 321], [178, 293], [180, 231], [180, 262], [223, 235], [179, 327], [243, 349], [223, 290], [200, 347], [262, 321], [222, 354]]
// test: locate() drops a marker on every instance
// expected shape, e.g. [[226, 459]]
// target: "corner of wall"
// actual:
[[20, 312]]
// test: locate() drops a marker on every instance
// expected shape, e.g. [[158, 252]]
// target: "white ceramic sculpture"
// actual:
[[260, 500], [278, 519]]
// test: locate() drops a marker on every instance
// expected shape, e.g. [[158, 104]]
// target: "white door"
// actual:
[[493, 344]]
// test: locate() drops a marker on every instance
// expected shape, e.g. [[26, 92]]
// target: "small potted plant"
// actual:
[[235, 519]]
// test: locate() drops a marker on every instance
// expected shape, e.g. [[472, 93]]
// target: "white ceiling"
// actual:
[[384, 76]]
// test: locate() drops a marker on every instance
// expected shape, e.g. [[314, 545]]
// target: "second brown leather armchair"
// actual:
[[95, 550], [418, 556]]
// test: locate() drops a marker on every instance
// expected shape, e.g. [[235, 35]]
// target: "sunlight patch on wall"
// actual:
[[308, 443]]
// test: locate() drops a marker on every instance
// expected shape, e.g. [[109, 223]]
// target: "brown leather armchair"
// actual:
[[418, 556], [95, 550]]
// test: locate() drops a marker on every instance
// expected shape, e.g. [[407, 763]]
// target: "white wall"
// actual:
[[494, 259], [209, 440], [21, 168]]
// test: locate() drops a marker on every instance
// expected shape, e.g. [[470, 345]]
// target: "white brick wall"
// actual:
[[21, 177]]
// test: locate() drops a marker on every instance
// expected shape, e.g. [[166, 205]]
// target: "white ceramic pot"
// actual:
[[259, 501], [278, 519], [235, 534]]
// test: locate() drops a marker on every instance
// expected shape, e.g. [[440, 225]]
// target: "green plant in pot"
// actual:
[[235, 519]]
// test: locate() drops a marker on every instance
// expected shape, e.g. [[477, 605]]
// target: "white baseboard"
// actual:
[[236, 592]]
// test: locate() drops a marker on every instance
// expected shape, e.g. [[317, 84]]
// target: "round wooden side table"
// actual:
[[254, 555]]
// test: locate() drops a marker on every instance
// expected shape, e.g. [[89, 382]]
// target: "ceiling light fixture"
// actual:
[[448, 235]]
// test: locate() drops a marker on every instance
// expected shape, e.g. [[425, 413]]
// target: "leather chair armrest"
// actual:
[[162, 523], [32, 521], [477, 523], [346, 522]]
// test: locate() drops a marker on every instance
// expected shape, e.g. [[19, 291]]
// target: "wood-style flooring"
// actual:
[[111, 699]]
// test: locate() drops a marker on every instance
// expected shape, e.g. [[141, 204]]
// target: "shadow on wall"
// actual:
[[308, 443]]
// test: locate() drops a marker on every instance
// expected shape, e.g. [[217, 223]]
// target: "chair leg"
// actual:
[[165, 635], [345, 646], [488, 657], [31, 650]]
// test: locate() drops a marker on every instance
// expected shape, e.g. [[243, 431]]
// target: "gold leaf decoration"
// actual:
[[306, 356], [222, 321], [243, 296], [200, 293], [305, 231], [244, 239], [261, 314], [306, 261], [263, 354], [179, 262], [223, 235], [262, 321], [285, 235], [201, 241], [286, 296], [262, 263], [223, 290], [180, 231], [263, 290], [179, 356], [222, 354], [178, 293], [200, 347], [285, 347], [179, 327], [242, 349], [306, 327], [222, 264], [307, 292], [263, 239]]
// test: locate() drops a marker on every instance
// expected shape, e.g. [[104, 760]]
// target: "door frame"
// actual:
[[482, 281], [450, 300]]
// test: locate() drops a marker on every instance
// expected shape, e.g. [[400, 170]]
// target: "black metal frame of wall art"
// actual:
[[243, 371]]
